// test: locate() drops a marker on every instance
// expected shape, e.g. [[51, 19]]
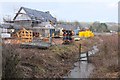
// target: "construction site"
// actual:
[[35, 45]]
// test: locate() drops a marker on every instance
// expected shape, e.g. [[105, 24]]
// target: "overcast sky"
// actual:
[[67, 10]]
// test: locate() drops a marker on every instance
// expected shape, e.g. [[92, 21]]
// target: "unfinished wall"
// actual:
[[23, 23]]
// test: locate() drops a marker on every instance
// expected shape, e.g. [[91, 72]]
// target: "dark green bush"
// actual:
[[10, 61]]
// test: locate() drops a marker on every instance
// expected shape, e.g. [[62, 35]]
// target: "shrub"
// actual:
[[10, 62]]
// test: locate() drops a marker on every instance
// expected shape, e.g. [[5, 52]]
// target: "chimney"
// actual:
[[47, 12]]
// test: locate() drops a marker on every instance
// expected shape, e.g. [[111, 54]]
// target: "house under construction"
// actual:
[[37, 21]]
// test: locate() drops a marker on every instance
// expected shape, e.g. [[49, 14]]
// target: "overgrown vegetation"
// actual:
[[106, 61], [99, 27], [10, 62], [56, 61], [51, 63]]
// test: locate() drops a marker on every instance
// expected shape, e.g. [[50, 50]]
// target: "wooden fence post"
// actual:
[[87, 56], [79, 50], [79, 54]]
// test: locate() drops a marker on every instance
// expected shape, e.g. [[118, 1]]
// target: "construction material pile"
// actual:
[[86, 34], [23, 36]]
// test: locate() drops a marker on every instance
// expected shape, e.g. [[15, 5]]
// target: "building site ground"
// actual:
[[58, 60]]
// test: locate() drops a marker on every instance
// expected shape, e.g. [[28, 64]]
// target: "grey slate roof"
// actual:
[[38, 15], [68, 26]]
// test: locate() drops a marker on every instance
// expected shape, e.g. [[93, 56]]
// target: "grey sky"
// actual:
[[74, 10]]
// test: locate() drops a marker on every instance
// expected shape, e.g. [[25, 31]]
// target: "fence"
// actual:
[[82, 53]]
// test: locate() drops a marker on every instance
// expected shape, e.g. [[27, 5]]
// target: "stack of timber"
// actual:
[[24, 35]]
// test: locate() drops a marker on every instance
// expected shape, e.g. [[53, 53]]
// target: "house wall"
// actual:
[[23, 19], [40, 31], [23, 23], [0, 31], [22, 16], [4, 34], [4, 30]]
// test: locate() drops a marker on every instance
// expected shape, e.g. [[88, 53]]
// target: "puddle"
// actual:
[[82, 69]]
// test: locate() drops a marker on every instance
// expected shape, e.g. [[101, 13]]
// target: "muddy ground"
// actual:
[[58, 60], [54, 62]]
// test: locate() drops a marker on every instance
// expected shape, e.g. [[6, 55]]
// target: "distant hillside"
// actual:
[[97, 26], [112, 26], [73, 25]]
